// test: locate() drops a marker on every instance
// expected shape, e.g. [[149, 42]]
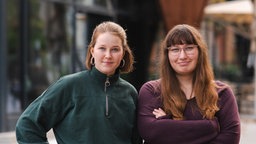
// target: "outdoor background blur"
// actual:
[[42, 40]]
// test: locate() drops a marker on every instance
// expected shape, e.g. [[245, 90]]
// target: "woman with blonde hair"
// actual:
[[94, 106], [186, 105]]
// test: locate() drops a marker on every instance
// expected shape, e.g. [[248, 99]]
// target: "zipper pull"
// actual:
[[106, 105], [107, 83]]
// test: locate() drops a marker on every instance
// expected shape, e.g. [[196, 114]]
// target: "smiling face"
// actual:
[[107, 53], [183, 63]]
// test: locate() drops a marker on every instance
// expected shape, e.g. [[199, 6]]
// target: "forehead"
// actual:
[[108, 38], [180, 36], [182, 45]]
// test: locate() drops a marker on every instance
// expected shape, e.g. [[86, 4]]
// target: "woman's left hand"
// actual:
[[159, 113]]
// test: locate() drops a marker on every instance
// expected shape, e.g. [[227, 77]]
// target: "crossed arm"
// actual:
[[156, 127], [156, 130]]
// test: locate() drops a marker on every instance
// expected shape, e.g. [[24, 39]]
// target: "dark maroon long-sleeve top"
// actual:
[[224, 129]]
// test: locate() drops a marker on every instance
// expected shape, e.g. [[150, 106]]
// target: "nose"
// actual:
[[108, 54], [182, 53]]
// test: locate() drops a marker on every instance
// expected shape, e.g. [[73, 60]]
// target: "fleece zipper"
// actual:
[[107, 83]]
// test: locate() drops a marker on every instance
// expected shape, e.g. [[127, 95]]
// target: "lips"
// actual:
[[183, 63], [108, 63]]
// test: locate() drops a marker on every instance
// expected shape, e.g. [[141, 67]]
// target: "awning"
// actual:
[[238, 11]]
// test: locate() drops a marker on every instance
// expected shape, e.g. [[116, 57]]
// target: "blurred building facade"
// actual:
[[227, 27]]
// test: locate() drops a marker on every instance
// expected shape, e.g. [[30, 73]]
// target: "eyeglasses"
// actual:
[[175, 51]]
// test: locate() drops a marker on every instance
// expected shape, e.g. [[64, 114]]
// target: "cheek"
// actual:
[[119, 56], [196, 57], [173, 64], [196, 54], [195, 61], [171, 60]]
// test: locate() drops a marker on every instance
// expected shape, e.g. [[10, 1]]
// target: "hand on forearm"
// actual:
[[158, 113]]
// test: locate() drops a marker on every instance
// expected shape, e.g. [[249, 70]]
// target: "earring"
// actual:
[[92, 61], [123, 63]]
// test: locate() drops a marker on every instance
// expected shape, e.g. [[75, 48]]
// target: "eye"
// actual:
[[189, 48], [115, 49], [174, 49], [102, 48]]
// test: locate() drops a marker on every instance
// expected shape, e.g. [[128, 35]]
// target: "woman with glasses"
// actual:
[[186, 105]]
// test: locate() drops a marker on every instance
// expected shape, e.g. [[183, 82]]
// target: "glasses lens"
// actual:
[[189, 50]]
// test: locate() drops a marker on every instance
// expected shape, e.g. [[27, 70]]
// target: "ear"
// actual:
[[92, 51]]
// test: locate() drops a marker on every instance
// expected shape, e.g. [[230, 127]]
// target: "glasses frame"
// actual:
[[185, 49]]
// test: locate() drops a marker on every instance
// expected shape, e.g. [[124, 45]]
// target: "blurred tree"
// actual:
[[56, 35], [12, 26]]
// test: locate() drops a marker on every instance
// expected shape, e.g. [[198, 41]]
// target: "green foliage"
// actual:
[[36, 24], [13, 25], [229, 72]]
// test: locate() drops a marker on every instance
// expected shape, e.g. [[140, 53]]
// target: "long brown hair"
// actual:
[[174, 99], [117, 30]]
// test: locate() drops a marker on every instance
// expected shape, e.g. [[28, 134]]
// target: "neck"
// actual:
[[186, 84], [185, 81]]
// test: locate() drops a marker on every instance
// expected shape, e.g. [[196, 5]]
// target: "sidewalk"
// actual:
[[9, 138], [248, 131]]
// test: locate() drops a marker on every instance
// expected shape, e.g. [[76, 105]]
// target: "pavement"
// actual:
[[248, 131], [10, 138]]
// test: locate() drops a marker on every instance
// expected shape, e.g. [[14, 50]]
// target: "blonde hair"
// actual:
[[117, 30], [174, 99]]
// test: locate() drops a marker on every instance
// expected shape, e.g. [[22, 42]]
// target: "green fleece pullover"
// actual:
[[82, 108]]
